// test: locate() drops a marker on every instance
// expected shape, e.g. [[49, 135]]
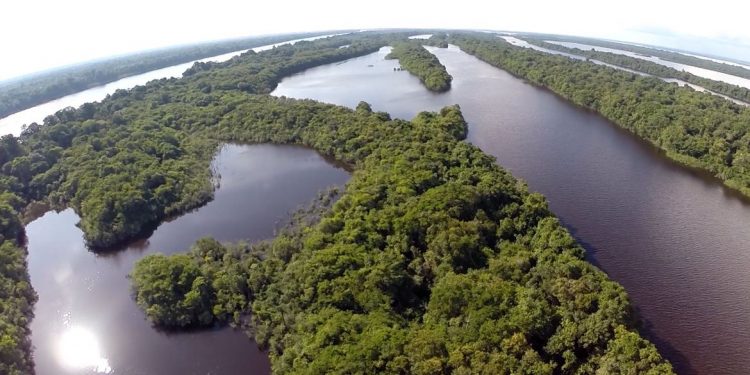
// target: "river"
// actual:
[[522, 43], [701, 72], [14, 123], [87, 322], [675, 238]]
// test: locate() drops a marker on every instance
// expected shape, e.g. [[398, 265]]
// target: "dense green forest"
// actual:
[[27, 92], [79, 154], [434, 259], [420, 62], [129, 161], [652, 68], [16, 294], [694, 128], [652, 51]]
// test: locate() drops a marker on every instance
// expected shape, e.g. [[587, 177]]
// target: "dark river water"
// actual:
[[676, 239], [86, 320]]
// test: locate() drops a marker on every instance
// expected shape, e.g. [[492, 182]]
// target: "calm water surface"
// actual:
[[676, 239], [13, 124], [522, 43], [86, 320], [701, 72]]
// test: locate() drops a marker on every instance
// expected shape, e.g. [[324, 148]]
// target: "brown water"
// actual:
[[676, 239], [86, 320]]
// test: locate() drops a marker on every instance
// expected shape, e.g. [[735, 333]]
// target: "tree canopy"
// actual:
[[420, 62], [652, 68], [26, 92], [434, 259], [694, 128], [673, 56]]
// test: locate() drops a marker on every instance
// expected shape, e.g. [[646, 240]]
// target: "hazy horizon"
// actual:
[[79, 31]]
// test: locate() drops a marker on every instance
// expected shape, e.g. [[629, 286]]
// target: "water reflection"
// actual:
[[86, 321], [522, 43], [676, 239], [78, 349], [13, 124], [701, 72]]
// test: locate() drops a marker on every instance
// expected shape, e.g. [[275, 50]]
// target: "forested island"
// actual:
[[421, 63], [152, 151], [666, 55], [26, 92], [693, 128], [434, 259], [652, 68]]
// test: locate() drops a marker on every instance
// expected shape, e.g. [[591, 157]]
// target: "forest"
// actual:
[[652, 68], [418, 61], [434, 259], [26, 92], [677, 57], [697, 129], [145, 142]]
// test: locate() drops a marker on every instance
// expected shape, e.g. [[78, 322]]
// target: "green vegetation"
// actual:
[[652, 68], [437, 39], [16, 295], [655, 52], [420, 62], [194, 289], [129, 161], [694, 128], [26, 92], [433, 260], [144, 142]]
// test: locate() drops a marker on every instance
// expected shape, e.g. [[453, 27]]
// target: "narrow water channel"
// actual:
[[675, 238], [86, 321], [14, 123], [724, 77], [701, 72]]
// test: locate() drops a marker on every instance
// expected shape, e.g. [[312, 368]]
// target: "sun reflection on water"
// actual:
[[78, 349]]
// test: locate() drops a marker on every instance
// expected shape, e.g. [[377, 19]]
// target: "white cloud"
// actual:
[[39, 34]]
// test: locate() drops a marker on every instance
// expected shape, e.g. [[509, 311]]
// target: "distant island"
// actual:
[[418, 61]]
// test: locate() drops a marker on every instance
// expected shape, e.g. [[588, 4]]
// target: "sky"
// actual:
[[41, 34]]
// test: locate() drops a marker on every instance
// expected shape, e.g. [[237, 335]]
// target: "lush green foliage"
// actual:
[[433, 260], [420, 62], [16, 295], [652, 68], [129, 161], [194, 289], [143, 141], [26, 92], [694, 128], [677, 57]]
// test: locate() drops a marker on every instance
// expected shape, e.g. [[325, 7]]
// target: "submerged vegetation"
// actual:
[[421, 63], [694, 128]]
